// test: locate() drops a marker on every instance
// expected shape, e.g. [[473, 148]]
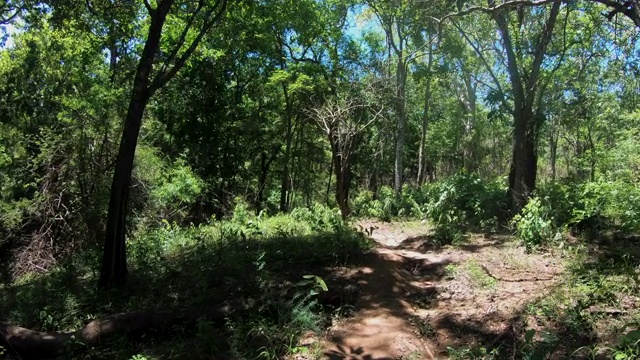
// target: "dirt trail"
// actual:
[[414, 300]]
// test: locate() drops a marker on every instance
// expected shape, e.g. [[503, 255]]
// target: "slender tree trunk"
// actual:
[[330, 176], [265, 165], [342, 169], [284, 181], [592, 155], [553, 148], [341, 187], [400, 105], [425, 122]]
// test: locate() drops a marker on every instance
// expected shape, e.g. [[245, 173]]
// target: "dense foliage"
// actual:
[[227, 132]]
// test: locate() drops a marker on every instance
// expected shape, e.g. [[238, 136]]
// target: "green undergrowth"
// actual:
[[276, 261], [454, 206]]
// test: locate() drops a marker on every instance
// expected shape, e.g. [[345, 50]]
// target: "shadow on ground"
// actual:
[[267, 273], [426, 243], [398, 279]]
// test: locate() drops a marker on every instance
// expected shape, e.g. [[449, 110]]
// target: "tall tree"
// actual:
[[394, 17], [526, 90], [201, 16]]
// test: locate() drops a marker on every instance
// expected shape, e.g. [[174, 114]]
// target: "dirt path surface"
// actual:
[[414, 300]]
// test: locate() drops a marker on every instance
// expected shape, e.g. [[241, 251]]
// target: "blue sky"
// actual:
[[10, 29]]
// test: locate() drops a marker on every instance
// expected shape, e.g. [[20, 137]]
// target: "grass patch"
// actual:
[[451, 271], [471, 353], [479, 276], [261, 259]]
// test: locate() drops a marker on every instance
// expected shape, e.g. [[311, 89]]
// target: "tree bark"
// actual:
[[114, 258], [522, 176], [342, 187], [265, 165], [553, 148], [284, 179]]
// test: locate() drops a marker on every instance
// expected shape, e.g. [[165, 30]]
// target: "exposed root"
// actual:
[[521, 276]]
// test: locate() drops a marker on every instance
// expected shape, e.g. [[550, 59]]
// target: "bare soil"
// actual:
[[414, 300]]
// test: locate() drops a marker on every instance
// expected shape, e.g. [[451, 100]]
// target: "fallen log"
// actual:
[[31, 344]]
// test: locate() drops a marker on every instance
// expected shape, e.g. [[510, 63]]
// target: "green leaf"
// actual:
[[528, 336], [322, 284]]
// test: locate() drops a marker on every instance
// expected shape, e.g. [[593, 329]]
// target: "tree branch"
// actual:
[[183, 36], [148, 6], [494, 8], [630, 8], [541, 49], [6, 9], [162, 78], [483, 59]]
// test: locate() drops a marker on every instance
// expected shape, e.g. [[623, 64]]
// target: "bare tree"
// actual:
[[343, 119]]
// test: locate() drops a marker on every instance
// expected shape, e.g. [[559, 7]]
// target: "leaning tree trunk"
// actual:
[[114, 258]]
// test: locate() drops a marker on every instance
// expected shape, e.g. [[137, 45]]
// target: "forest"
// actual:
[[320, 179]]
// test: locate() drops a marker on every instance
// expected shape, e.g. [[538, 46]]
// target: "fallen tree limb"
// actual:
[[31, 344]]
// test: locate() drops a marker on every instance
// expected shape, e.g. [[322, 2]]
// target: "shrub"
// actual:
[[562, 200], [593, 206], [616, 202], [464, 201], [533, 225], [387, 205]]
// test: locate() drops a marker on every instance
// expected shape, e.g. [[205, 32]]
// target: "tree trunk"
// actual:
[[114, 258], [330, 176], [265, 165], [343, 182], [553, 148], [400, 105], [524, 165], [425, 122], [284, 180], [30, 344]]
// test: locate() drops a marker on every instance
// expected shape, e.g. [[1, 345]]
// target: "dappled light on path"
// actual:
[[416, 299]]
